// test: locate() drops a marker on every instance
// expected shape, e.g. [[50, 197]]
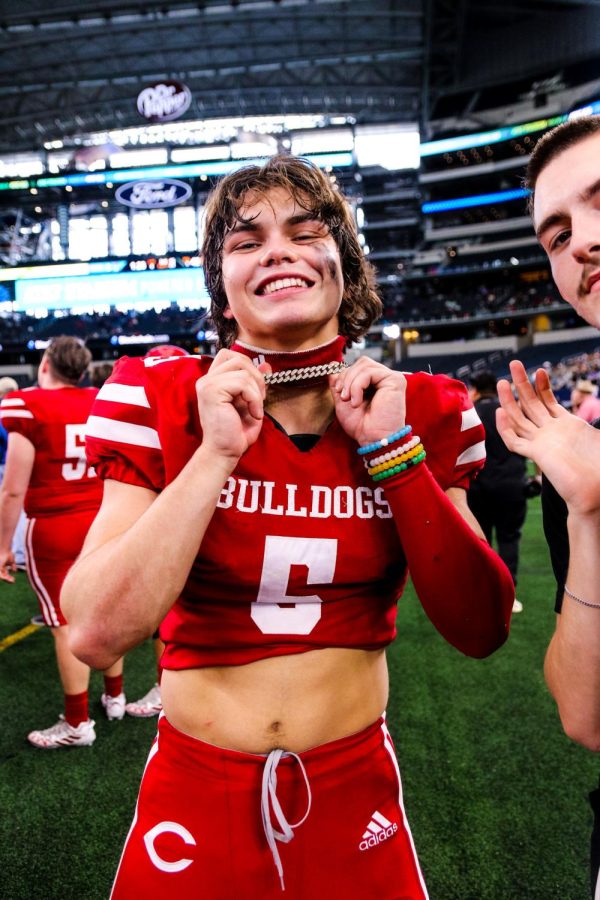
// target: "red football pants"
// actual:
[[53, 543], [197, 831]]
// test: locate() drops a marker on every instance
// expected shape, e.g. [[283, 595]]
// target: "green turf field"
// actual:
[[496, 795]]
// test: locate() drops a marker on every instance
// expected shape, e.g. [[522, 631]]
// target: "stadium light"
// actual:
[[394, 146]]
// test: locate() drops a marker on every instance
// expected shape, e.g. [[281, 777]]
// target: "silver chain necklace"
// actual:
[[302, 374]]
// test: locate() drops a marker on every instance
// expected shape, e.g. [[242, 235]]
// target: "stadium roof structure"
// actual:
[[70, 68]]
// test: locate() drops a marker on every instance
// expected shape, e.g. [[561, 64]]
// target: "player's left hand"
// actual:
[[7, 566], [370, 400]]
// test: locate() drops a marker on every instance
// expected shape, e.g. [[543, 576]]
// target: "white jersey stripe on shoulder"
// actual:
[[150, 361], [16, 414], [12, 401], [472, 454], [134, 395], [469, 419], [122, 432]]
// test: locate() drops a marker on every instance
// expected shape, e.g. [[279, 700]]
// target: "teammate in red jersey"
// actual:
[[237, 504], [46, 471]]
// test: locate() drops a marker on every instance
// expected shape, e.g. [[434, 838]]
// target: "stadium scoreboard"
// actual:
[[102, 285]]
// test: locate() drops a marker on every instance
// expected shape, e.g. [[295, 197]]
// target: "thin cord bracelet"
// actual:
[[579, 600]]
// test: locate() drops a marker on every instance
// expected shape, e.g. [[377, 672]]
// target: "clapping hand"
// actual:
[[565, 448]]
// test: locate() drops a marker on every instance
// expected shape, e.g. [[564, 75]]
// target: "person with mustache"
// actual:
[[266, 505], [563, 176]]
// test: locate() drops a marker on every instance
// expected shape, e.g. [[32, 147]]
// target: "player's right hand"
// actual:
[[231, 403], [565, 448], [7, 565]]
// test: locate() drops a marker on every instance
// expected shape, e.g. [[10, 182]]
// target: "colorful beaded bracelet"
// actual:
[[395, 470], [403, 448], [378, 445], [400, 458], [393, 454]]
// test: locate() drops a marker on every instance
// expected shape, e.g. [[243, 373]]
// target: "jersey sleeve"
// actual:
[[17, 413], [440, 412], [122, 440]]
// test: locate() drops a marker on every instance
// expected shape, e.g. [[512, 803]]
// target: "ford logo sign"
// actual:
[[153, 194], [164, 101]]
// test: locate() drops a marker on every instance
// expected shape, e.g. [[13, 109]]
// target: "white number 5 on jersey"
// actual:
[[75, 450], [281, 553]]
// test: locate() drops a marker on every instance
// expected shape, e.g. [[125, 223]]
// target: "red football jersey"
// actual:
[[302, 551], [54, 422]]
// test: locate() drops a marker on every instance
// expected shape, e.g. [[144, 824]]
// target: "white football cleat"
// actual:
[[64, 735], [148, 705], [114, 707]]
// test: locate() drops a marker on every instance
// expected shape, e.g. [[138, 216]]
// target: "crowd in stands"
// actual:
[[415, 300], [426, 300], [18, 327], [568, 365], [573, 370], [412, 301]]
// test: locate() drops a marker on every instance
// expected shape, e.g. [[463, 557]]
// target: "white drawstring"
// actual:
[[269, 800]]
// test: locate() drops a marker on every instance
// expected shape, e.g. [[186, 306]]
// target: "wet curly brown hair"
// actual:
[[312, 190]]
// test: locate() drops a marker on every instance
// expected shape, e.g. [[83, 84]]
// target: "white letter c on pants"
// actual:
[[174, 828]]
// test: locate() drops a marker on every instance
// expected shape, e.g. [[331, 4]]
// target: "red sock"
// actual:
[[113, 685], [76, 708]]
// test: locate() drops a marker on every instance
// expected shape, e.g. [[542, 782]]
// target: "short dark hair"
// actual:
[[68, 358], [100, 373], [555, 142], [312, 190], [484, 382]]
